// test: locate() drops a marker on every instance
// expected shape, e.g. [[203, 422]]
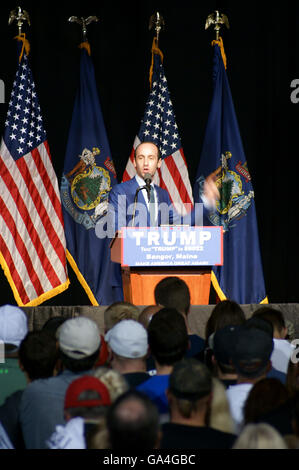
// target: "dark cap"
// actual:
[[190, 380], [224, 343], [252, 351]]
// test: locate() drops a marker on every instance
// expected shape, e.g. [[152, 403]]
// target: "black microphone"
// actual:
[[148, 179]]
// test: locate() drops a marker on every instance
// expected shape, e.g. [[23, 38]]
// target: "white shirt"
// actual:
[[70, 436], [5, 442], [281, 354], [237, 396], [141, 183]]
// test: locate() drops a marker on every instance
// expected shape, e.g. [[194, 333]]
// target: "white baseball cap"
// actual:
[[79, 337], [128, 338], [13, 324]]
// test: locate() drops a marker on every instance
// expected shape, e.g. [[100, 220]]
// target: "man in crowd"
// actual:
[[133, 423], [168, 342], [190, 394], [251, 359], [41, 407], [128, 345], [13, 329], [173, 292]]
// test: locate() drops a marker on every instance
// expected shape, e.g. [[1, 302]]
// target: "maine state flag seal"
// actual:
[[234, 200], [85, 189]]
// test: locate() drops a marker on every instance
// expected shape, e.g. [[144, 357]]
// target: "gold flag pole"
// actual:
[[218, 20], [156, 21], [83, 22], [20, 16]]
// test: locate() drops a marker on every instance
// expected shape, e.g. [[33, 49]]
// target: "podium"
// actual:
[[149, 254]]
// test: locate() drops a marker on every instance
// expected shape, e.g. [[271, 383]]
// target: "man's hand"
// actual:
[[210, 191]]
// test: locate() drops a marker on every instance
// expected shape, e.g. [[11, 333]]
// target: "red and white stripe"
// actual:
[[32, 239], [172, 176]]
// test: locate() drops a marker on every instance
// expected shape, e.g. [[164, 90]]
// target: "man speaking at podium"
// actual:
[[139, 202]]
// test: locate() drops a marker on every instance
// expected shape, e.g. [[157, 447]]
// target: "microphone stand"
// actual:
[[148, 188]]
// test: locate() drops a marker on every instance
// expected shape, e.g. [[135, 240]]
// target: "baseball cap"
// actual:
[[82, 384], [128, 338], [224, 343], [13, 324], [190, 380], [79, 337], [252, 351]]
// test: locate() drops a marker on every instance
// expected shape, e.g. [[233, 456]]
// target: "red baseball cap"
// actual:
[[82, 384]]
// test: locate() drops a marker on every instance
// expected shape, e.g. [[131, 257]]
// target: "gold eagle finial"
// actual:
[[83, 22], [218, 20], [20, 16], [157, 21]]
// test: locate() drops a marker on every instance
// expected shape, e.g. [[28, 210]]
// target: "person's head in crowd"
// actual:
[[292, 381], [260, 436], [265, 396], [13, 328], [226, 312], [79, 344], [38, 355], [87, 397], [97, 437], [173, 292], [133, 423], [260, 323], [53, 323], [128, 344], [251, 355], [222, 343], [119, 311], [114, 381], [190, 393], [220, 416], [147, 314], [275, 317], [167, 337]]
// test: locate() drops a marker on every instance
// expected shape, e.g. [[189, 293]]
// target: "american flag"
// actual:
[[159, 126], [32, 240]]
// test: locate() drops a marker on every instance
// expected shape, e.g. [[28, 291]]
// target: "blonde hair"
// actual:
[[220, 416], [114, 381], [120, 311], [260, 436], [117, 385], [99, 438]]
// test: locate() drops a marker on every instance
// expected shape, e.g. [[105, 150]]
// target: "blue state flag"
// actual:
[[88, 176], [241, 276]]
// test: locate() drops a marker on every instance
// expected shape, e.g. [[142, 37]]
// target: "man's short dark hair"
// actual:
[[133, 422], [79, 365], [53, 323], [272, 315], [38, 354], [226, 312], [167, 336], [148, 142], [173, 292]]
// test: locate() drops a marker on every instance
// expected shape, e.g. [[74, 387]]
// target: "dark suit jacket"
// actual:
[[122, 199], [122, 196]]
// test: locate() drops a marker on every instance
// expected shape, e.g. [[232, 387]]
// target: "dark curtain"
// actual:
[[262, 52]]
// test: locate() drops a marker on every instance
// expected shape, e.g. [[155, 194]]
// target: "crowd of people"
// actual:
[[149, 382]]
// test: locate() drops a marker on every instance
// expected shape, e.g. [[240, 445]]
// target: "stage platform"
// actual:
[[197, 318]]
